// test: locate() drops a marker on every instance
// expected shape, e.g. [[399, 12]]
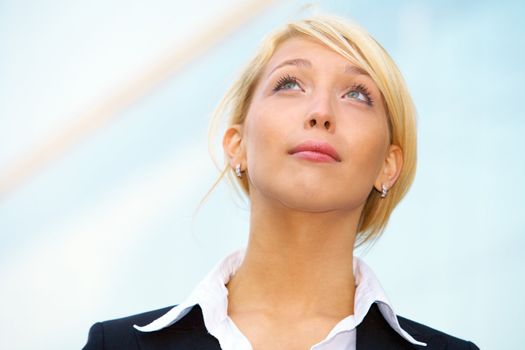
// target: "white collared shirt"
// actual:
[[212, 296]]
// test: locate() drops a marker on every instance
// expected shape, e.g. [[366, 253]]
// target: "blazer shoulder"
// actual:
[[433, 337], [140, 319], [116, 333]]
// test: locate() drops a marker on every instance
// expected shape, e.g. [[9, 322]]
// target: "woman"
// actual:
[[322, 139]]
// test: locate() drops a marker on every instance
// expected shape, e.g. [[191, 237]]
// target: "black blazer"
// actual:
[[189, 333]]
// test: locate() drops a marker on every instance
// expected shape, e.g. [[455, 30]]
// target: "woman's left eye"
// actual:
[[360, 93]]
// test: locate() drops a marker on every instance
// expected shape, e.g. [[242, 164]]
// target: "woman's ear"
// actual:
[[233, 145], [391, 169]]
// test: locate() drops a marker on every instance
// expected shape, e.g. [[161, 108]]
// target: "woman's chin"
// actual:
[[314, 204]]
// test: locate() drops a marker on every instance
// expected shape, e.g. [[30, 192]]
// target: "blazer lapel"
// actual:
[[189, 333], [374, 333], [170, 340]]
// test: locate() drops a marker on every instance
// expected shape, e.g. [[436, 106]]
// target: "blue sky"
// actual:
[[102, 229]]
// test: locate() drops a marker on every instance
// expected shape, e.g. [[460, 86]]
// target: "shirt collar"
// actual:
[[212, 296]]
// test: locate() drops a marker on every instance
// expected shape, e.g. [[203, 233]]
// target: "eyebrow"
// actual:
[[355, 70], [301, 62]]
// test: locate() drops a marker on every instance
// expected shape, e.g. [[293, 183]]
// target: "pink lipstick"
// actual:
[[315, 151]]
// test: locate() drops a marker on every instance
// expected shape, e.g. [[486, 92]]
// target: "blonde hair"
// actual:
[[356, 45]]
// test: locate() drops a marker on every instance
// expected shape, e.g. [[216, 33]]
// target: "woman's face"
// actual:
[[311, 96]]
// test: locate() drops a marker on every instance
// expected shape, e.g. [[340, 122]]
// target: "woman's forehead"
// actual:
[[304, 52], [298, 46]]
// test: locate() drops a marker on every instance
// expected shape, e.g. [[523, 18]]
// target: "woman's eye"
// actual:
[[287, 83], [290, 85], [360, 93], [357, 95]]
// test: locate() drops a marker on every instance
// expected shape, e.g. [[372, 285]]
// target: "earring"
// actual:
[[384, 191], [238, 171]]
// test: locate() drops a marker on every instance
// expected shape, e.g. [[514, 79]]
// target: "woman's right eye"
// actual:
[[287, 83]]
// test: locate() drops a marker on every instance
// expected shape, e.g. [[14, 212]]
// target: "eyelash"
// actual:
[[364, 90], [287, 79], [283, 81]]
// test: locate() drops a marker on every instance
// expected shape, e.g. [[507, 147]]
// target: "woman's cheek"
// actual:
[[373, 154]]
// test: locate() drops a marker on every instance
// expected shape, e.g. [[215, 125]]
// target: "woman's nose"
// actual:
[[325, 123], [323, 120]]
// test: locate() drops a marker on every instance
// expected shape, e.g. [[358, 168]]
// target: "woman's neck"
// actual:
[[298, 263]]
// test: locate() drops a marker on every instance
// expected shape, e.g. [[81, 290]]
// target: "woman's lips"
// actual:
[[315, 151], [314, 156]]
